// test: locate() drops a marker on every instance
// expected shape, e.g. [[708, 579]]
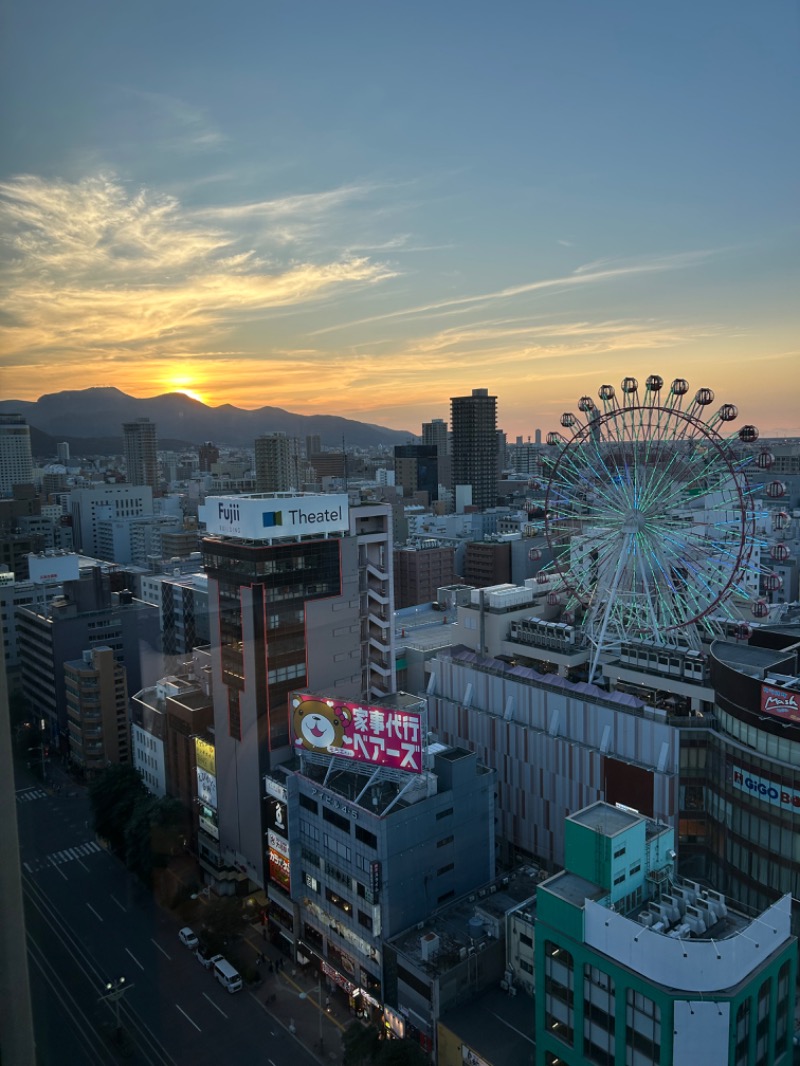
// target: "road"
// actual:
[[89, 922]]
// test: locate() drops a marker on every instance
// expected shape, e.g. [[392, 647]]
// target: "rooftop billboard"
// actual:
[[367, 734], [780, 702], [274, 516]]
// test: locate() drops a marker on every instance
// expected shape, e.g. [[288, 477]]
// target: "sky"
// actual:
[[365, 208]]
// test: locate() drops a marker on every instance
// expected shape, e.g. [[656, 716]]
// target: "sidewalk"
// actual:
[[292, 997]]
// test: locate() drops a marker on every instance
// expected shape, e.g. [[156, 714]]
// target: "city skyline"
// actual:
[[366, 212]]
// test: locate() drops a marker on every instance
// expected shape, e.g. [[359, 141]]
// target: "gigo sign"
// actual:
[[274, 516], [764, 789]]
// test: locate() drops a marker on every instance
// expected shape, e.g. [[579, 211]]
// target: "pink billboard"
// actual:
[[368, 734], [780, 702]]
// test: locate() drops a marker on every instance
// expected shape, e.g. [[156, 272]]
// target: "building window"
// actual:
[[618, 880], [526, 940], [365, 920], [642, 1028], [444, 869], [444, 814], [336, 819], [308, 803], [234, 716], [742, 1034], [599, 1022], [337, 901], [366, 837], [445, 897], [619, 852], [444, 841], [559, 995]]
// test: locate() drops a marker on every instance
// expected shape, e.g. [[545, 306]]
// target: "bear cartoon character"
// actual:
[[318, 726]]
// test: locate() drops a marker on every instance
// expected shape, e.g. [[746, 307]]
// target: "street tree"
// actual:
[[113, 796]]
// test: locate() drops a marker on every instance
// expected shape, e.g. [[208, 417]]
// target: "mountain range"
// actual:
[[180, 420]]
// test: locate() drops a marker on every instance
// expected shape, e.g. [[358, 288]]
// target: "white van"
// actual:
[[227, 976]]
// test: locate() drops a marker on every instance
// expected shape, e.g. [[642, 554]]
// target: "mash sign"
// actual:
[[780, 702], [276, 515]]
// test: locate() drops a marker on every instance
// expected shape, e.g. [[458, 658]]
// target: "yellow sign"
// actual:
[[205, 756]]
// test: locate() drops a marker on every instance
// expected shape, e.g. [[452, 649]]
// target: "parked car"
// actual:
[[188, 938], [207, 961]]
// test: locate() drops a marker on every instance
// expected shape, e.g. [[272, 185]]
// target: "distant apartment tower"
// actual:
[[435, 432], [276, 463], [299, 593], [313, 445], [475, 448], [140, 447], [62, 451], [97, 710], [208, 453], [16, 461]]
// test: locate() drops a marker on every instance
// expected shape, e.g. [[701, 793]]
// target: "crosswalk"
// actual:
[[80, 851], [31, 794]]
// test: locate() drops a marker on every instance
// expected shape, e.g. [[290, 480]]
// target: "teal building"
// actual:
[[636, 966]]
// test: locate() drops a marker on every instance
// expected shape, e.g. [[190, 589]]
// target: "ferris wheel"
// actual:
[[648, 514]]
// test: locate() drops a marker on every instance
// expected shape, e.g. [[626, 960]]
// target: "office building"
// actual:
[[277, 463], [86, 616], [16, 461], [363, 847], [140, 448], [634, 964], [97, 711], [475, 446], [299, 593], [487, 563], [420, 571], [416, 469], [101, 503], [62, 451]]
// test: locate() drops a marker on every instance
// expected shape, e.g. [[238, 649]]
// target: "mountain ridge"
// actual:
[[65, 415]]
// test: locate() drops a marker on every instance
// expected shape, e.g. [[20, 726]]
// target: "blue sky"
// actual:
[[365, 208]]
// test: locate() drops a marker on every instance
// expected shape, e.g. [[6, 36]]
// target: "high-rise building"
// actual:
[[16, 461], [435, 432], [475, 450], [635, 964], [140, 447], [313, 445], [62, 450], [299, 594], [276, 463]]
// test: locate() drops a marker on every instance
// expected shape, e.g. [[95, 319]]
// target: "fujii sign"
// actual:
[[769, 791], [780, 702], [277, 515]]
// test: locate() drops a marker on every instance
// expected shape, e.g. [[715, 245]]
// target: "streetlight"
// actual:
[[115, 990], [42, 728]]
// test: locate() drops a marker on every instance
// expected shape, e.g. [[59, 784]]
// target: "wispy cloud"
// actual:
[[92, 267], [179, 124], [589, 274]]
